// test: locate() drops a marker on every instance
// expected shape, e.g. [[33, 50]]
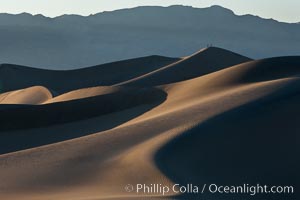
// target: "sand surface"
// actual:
[[213, 117]]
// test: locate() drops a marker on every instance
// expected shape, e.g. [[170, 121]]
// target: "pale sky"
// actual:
[[281, 10]]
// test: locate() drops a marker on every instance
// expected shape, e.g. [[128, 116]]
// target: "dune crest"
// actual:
[[203, 62], [33, 95], [14, 77]]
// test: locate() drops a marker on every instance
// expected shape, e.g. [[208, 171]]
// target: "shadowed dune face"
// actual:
[[218, 124], [78, 109], [255, 143], [264, 70], [201, 63], [13, 77], [29, 117]]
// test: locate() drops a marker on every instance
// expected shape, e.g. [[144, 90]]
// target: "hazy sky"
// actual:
[[282, 10]]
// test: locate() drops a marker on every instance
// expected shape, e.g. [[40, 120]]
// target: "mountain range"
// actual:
[[73, 41]]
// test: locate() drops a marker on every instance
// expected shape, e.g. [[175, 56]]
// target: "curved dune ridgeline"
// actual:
[[32, 95], [201, 63], [214, 117], [14, 77]]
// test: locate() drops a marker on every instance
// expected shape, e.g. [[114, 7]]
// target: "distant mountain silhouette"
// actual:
[[73, 41]]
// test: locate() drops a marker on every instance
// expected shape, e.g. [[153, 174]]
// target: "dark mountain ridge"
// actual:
[[74, 41]]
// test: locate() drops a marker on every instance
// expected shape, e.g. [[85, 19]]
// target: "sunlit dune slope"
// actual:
[[32, 95], [201, 63], [85, 93]]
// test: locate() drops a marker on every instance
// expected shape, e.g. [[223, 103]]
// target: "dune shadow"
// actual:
[[28, 126], [257, 143]]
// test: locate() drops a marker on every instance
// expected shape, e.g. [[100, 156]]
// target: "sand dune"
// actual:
[[33, 116], [32, 95], [225, 125], [15, 77], [84, 93], [203, 62]]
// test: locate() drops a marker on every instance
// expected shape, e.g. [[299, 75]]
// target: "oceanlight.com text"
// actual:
[[247, 189]]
